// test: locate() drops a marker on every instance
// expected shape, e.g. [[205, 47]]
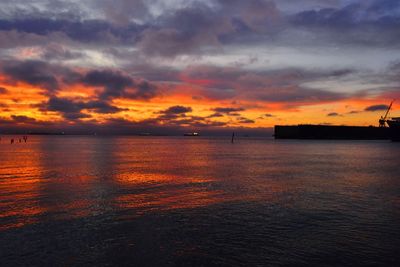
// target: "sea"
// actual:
[[198, 201]]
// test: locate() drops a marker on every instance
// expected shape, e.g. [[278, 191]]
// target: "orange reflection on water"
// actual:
[[163, 191], [20, 189], [138, 178], [185, 197], [36, 186], [148, 178]]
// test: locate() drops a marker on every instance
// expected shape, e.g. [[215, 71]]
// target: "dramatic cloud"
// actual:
[[333, 114], [114, 83], [178, 116], [177, 110], [23, 119], [72, 109], [32, 72], [228, 110], [196, 64], [381, 107], [174, 112], [86, 31], [245, 120], [376, 22], [117, 84]]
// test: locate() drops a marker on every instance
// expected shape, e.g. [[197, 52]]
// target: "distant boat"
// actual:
[[394, 125], [191, 134]]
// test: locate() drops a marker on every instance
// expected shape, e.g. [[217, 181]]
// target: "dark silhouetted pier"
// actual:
[[332, 132]]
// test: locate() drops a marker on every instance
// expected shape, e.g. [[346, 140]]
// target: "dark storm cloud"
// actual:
[[80, 30], [333, 114], [68, 108], [174, 112], [354, 112], [52, 78], [373, 108], [48, 77], [177, 110], [245, 120], [22, 119], [380, 12], [116, 84], [72, 109], [215, 115], [144, 90], [178, 116], [228, 110], [362, 22], [102, 107], [36, 73]]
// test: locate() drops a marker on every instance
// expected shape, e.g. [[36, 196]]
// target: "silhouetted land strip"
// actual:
[[45, 133], [332, 132]]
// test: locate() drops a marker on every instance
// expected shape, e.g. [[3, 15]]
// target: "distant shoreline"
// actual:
[[268, 135]]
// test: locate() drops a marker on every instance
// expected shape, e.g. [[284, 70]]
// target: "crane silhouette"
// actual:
[[382, 120]]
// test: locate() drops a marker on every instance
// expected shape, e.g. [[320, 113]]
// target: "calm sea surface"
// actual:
[[175, 201]]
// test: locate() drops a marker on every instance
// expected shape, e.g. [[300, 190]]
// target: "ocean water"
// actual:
[[195, 201]]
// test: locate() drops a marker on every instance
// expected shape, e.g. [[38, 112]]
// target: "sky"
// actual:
[[173, 66]]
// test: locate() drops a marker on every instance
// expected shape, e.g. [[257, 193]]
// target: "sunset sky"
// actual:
[[168, 66]]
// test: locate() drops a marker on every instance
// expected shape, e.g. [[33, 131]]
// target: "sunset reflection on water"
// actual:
[[258, 198], [66, 177]]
